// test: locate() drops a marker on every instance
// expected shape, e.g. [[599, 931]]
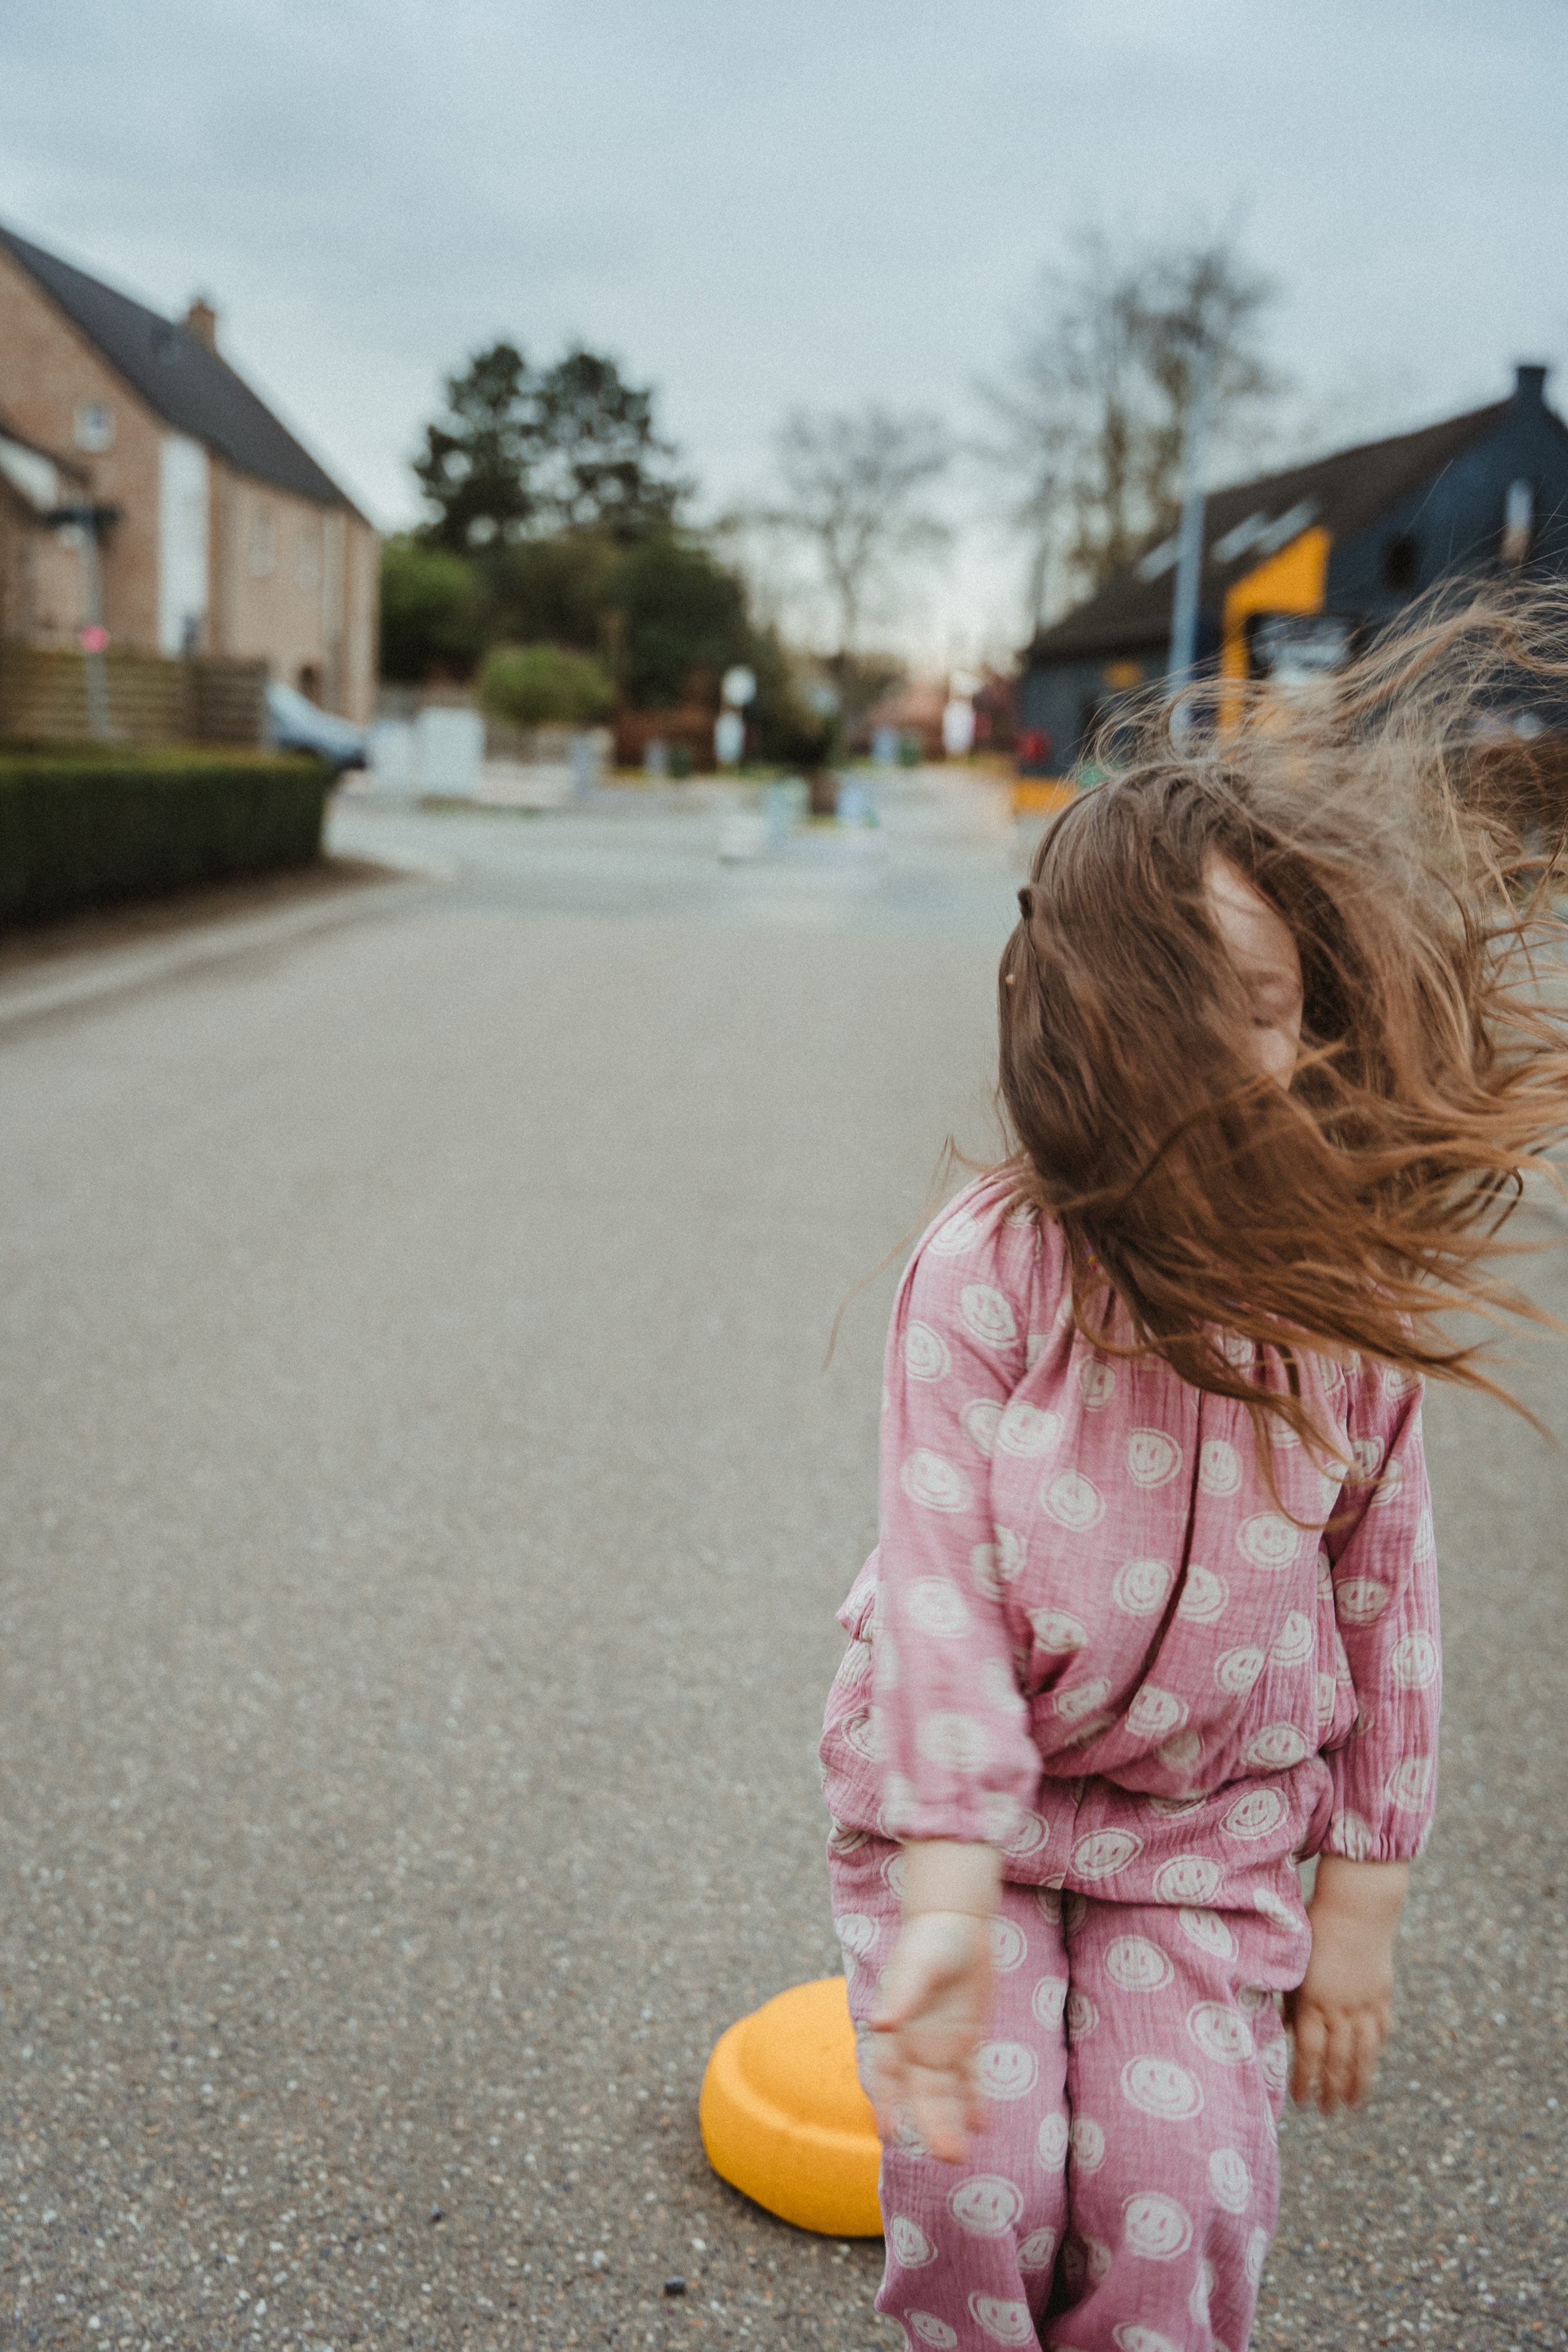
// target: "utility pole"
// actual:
[[1190, 536]]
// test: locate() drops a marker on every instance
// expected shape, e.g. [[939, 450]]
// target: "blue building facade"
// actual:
[[1325, 551]]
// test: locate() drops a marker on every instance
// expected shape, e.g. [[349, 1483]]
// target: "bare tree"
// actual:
[[1088, 426], [1195, 296], [852, 486]]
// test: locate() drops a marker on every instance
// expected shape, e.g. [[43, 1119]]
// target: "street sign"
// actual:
[[740, 686]]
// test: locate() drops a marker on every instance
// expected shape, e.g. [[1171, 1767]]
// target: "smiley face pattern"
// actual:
[[1093, 1636], [1133, 2079]]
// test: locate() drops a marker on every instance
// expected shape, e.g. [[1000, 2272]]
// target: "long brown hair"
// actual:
[[1383, 816]]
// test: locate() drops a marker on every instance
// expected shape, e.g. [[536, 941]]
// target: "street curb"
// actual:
[[115, 972]]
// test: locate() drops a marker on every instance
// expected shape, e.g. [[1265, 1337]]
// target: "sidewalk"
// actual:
[[69, 964]]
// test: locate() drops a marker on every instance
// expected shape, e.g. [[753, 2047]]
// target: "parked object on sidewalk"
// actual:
[[295, 723], [786, 801], [784, 2119], [91, 829], [392, 765], [448, 751], [587, 761]]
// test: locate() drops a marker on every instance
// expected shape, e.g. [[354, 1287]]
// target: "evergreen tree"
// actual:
[[478, 459], [600, 467], [521, 452]]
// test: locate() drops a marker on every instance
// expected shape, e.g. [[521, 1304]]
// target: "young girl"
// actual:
[[1153, 1614]]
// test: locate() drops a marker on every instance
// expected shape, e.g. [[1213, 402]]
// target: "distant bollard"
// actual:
[[656, 757], [958, 727], [854, 805], [449, 752], [729, 738], [781, 802], [585, 765], [885, 747]]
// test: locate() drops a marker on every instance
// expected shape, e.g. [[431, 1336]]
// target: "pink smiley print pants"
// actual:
[[1123, 2193]]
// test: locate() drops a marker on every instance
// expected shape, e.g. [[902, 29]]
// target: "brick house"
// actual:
[[217, 533]]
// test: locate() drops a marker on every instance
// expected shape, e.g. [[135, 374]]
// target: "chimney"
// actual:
[[1529, 386], [202, 321]]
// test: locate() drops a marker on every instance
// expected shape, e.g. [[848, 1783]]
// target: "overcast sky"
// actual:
[[826, 203]]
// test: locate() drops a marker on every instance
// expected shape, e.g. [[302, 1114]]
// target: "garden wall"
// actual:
[[44, 697]]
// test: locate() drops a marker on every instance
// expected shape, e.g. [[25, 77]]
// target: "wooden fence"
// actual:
[[44, 698]]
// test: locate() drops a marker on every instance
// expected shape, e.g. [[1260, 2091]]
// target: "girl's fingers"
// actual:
[[1370, 2036], [947, 2135], [904, 1997], [1338, 2061], [1352, 2054], [1336, 2057], [1307, 2061], [939, 2101], [944, 2134]]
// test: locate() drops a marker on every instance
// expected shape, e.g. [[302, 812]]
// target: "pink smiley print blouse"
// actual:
[[1089, 1636]]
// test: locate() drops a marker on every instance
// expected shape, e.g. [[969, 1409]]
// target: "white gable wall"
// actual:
[[184, 507]]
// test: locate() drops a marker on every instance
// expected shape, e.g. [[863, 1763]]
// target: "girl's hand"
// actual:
[[1341, 2010], [935, 2004], [936, 1997]]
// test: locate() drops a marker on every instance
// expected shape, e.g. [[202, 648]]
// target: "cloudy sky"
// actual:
[[823, 204]]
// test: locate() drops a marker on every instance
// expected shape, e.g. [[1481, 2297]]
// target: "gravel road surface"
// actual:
[[426, 1512]]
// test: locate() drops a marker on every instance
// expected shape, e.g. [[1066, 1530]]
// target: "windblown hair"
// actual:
[[1384, 814]]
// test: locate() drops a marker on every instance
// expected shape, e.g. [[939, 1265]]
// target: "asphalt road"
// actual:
[[425, 1515]]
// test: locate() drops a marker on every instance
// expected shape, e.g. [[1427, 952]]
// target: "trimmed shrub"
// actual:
[[545, 686], [90, 828]]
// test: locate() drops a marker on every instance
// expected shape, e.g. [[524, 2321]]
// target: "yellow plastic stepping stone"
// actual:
[[784, 2119]]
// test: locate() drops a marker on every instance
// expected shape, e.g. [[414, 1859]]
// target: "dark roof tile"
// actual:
[[1345, 492], [190, 387]]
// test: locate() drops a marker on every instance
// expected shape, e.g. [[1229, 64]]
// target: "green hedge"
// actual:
[[89, 828]]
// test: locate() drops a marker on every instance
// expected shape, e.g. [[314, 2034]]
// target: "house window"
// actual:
[[1402, 563], [94, 426], [263, 551], [307, 555]]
